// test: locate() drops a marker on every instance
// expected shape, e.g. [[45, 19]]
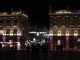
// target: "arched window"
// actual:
[[63, 20], [63, 26], [71, 26], [15, 29], [8, 30], [54, 20], [55, 27]]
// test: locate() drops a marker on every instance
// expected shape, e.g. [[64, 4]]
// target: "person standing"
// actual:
[[28, 49], [33, 49]]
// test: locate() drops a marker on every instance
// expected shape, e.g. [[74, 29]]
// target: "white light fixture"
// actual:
[[60, 12], [10, 45], [18, 34], [37, 34], [75, 34], [50, 34], [34, 39], [4, 34], [11, 34], [59, 34], [67, 34]]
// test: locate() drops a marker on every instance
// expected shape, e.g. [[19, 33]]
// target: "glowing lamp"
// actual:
[[71, 34], [4, 34], [62, 34], [67, 34], [37, 34], [50, 34], [11, 34], [15, 34], [18, 43], [54, 34], [60, 12], [10, 45], [7, 34], [75, 34], [59, 34], [18, 34]]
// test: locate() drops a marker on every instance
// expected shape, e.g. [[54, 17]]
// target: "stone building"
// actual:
[[64, 28], [13, 29]]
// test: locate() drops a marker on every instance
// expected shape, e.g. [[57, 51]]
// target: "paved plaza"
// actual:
[[51, 55]]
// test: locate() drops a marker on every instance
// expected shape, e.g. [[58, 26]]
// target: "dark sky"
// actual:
[[38, 9]]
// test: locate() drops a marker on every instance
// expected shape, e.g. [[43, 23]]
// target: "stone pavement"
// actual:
[[51, 55]]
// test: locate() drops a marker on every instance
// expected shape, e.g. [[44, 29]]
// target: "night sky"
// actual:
[[38, 9]]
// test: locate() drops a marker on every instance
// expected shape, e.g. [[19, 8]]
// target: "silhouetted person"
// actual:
[[36, 50], [58, 48], [39, 45], [28, 48], [44, 49], [61, 48], [0, 46], [33, 49]]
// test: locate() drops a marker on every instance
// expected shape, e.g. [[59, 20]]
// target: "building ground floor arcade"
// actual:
[[11, 41], [68, 42]]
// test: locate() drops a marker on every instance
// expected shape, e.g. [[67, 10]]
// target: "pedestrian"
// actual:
[[36, 50], [28, 49], [44, 49], [61, 48], [33, 49]]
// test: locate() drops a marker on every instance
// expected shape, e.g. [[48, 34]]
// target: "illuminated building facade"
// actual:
[[13, 28], [64, 28]]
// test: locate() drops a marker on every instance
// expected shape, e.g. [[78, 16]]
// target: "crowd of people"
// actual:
[[35, 49]]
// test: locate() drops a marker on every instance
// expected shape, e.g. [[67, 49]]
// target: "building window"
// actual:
[[8, 30], [1, 21], [15, 21], [15, 30], [63, 20], [54, 20], [71, 20], [8, 21]]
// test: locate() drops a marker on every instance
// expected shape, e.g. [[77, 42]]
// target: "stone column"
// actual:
[[67, 42], [51, 42], [18, 40]]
